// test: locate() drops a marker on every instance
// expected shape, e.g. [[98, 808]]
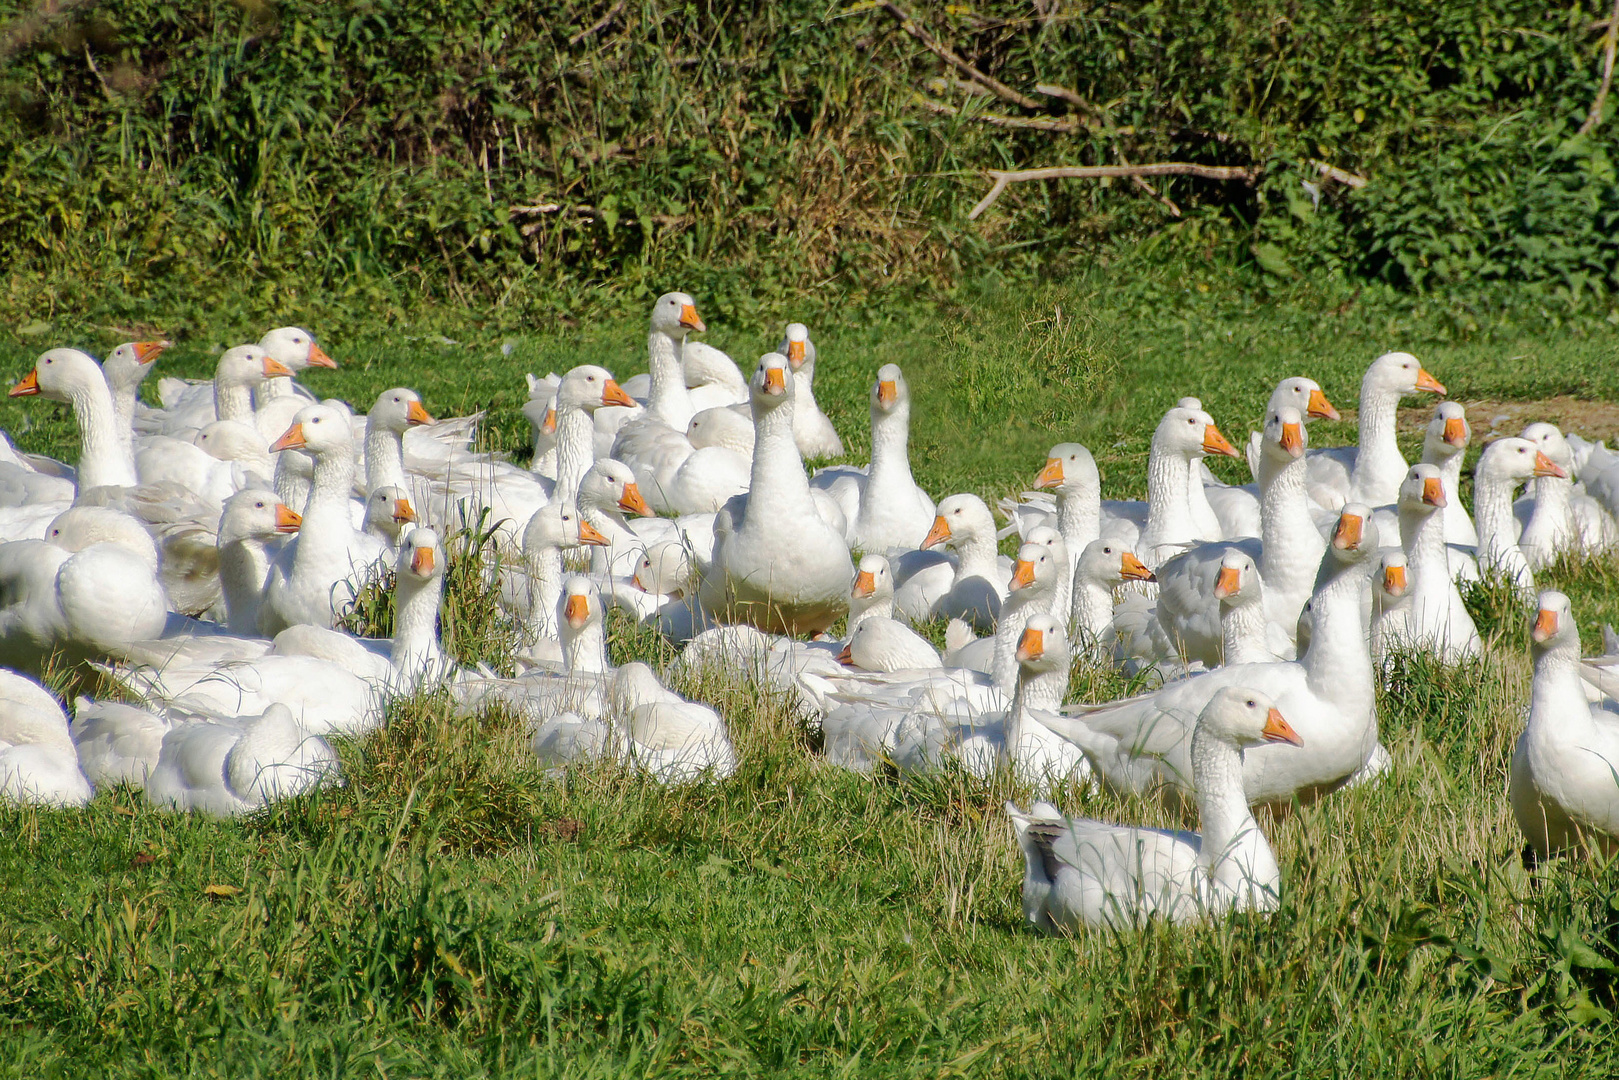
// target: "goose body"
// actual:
[[884, 509], [225, 768], [812, 431], [37, 761]]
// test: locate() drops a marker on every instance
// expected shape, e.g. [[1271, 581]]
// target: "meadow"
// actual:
[[450, 912]]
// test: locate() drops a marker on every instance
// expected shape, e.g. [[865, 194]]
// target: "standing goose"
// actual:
[[1433, 616], [812, 431], [1082, 872], [884, 508], [1562, 789], [1445, 446], [1371, 471], [1178, 444], [1504, 465]]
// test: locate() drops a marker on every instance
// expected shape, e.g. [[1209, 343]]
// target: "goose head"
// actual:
[[797, 347], [1108, 562], [960, 518], [890, 392], [1304, 395], [318, 430], [610, 485], [1552, 443], [770, 388], [1513, 460], [1355, 533], [398, 409], [1036, 566], [131, 362], [559, 525], [1191, 432], [579, 607], [1554, 624], [62, 375], [248, 365], [295, 349], [675, 315], [1243, 717], [1237, 580], [590, 387], [388, 512], [254, 514], [1448, 433], [1284, 438], [1070, 468], [873, 583], [1043, 646], [1396, 374], [78, 527], [1422, 492], [232, 440], [722, 426], [665, 569], [1052, 541], [421, 557], [1393, 579]]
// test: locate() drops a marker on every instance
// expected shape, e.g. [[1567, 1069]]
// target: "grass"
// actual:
[[450, 912]]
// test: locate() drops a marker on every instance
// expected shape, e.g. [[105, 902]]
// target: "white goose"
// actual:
[[71, 376], [37, 761], [719, 467], [537, 596], [1371, 471], [1432, 616], [125, 368], [226, 768], [975, 587], [277, 401], [1032, 590], [1238, 508], [777, 563], [1504, 465], [1104, 565], [1390, 603], [583, 391], [540, 410], [544, 693], [884, 508], [1179, 443], [814, 433], [1445, 445], [1562, 789], [250, 531], [652, 440], [1082, 872], [876, 640], [1556, 516]]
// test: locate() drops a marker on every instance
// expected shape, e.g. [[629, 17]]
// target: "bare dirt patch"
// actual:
[[1493, 419]]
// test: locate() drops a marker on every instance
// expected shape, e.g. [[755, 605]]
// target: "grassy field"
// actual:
[[451, 913]]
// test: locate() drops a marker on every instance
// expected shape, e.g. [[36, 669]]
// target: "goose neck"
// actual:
[[544, 592], [270, 389], [1169, 518], [1092, 611], [575, 451], [1242, 634], [1492, 510], [1338, 665], [777, 476], [1379, 409], [668, 399], [586, 649], [1558, 707], [384, 456], [890, 445], [876, 608], [233, 401], [243, 566], [1422, 535], [105, 457], [415, 642], [975, 554], [1290, 545], [1233, 851], [1079, 516]]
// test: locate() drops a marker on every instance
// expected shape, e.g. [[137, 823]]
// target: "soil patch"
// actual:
[[1492, 419]]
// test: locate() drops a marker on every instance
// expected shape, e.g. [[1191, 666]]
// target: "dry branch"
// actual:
[[1090, 172], [1332, 172], [1034, 123], [1595, 116], [612, 13], [943, 52]]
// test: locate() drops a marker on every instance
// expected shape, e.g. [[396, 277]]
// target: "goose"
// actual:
[[1555, 516], [1103, 565], [190, 404], [125, 368], [1141, 744], [975, 587], [674, 320], [394, 412], [1444, 445], [583, 391], [812, 431], [654, 438], [1562, 789], [720, 464], [1075, 506], [537, 597], [658, 593], [1244, 623], [37, 761], [1179, 442], [70, 376], [118, 743], [1433, 616], [540, 410], [1287, 553], [226, 768], [1237, 509], [1390, 603], [777, 563], [250, 532], [278, 400], [1371, 471], [1031, 591], [876, 640], [1301, 394], [713, 381], [1504, 465], [1082, 872], [884, 508], [606, 494], [542, 693], [388, 513]]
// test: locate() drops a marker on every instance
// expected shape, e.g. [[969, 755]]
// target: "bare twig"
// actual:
[[1595, 116], [943, 52], [105, 89], [599, 24], [1090, 172], [1145, 185], [1001, 121], [1332, 172], [1062, 93]]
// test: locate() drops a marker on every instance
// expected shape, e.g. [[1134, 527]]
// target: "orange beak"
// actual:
[[1051, 475], [28, 386], [887, 394], [403, 511], [1133, 569], [612, 394], [846, 657], [938, 534], [635, 579], [775, 381], [795, 354], [318, 357], [550, 425], [1229, 583], [287, 520], [1278, 729], [1456, 431], [1545, 466], [415, 414], [1346, 537], [1394, 580], [1320, 406], [1545, 626], [576, 611], [1293, 438], [632, 502], [1022, 575], [864, 584], [689, 319], [147, 351], [275, 369], [1031, 646], [589, 535], [1215, 443], [421, 561], [1427, 382], [292, 440], [1433, 492]]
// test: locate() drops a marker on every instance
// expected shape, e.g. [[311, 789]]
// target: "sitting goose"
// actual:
[[1237, 509], [1504, 465], [125, 368], [37, 761], [70, 376], [226, 768], [1082, 872], [975, 587], [876, 640]]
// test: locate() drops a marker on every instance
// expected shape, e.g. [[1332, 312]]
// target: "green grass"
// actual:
[[449, 912]]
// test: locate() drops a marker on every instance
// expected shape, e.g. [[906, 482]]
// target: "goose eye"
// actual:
[[1252, 703]]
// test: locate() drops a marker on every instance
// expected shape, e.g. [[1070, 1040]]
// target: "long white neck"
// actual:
[[1241, 867], [123, 412], [890, 473], [668, 399], [233, 400], [1558, 708], [104, 454], [1091, 616], [804, 390], [975, 555], [243, 566], [778, 481], [1497, 547], [1197, 500], [384, 456], [611, 524], [1079, 517], [270, 389], [575, 450], [1291, 546], [326, 536], [1422, 535], [1550, 522], [1379, 468], [1016, 611], [584, 649], [1242, 633], [416, 650], [1169, 519], [544, 592], [1458, 524], [292, 472], [1338, 665]]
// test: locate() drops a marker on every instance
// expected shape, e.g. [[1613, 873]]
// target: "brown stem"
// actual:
[[943, 52], [1084, 172], [1595, 116]]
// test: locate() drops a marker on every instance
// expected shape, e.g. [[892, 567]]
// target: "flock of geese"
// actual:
[[204, 552]]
